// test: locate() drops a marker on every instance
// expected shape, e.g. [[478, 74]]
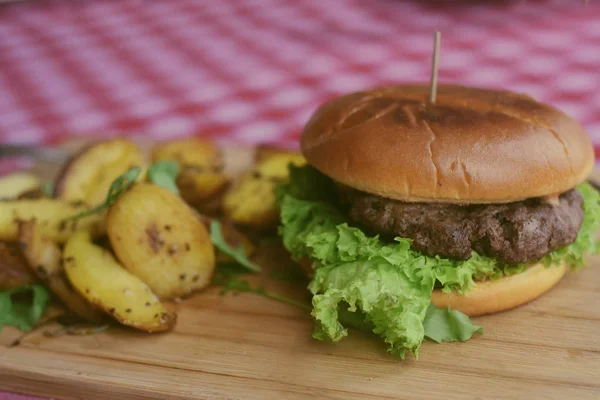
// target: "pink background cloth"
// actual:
[[254, 70]]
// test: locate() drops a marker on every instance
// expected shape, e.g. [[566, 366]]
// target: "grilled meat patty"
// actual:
[[513, 233]]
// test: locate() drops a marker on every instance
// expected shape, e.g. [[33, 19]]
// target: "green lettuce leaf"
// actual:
[[388, 282], [440, 325], [446, 325], [23, 307], [586, 242]]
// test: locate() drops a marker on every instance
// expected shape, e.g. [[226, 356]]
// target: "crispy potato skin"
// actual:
[[13, 185], [88, 175], [251, 201], [14, 269], [50, 214], [158, 237], [201, 180], [98, 277], [189, 152], [265, 151], [45, 259], [33, 194], [202, 189]]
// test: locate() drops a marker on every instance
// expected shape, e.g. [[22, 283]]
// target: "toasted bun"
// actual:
[[471, 146], [503, 294]]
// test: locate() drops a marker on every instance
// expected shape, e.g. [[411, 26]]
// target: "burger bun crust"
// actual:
[[471, 146]]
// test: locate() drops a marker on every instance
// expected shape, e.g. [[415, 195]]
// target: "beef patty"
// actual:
[[513, 233]]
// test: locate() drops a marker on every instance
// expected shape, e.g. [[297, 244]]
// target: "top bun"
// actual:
[[471, 146]]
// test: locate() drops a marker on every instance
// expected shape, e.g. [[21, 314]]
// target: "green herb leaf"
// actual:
[[118, 187], [446, 325], [23, 307], [48, 189], [164, 173], [235, 285], [237, 254], [227, 271], [293, 274]]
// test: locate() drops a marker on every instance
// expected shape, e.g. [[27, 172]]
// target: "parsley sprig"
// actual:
[[237, 254], [164, 173], [118, 187]]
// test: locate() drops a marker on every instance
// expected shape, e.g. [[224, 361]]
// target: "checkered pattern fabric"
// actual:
[[254, 70]]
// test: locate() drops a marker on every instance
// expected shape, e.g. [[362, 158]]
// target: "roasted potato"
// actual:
[[189, 151], [45, 258], [33, 194], [265, 151], [251, 201], [98, 277], [88, 175], [202, 189], [158, 237], [52, 216], [13, 185], [14, 269], [201, 179]]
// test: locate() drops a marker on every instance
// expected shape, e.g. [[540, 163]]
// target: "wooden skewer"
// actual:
[[434, 67]]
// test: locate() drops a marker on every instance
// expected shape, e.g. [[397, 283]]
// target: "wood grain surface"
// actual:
[[249, 347]]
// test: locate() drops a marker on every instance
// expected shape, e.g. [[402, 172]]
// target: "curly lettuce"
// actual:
[[387, 283]]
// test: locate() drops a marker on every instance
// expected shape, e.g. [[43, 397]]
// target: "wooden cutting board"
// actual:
[[249, 347]]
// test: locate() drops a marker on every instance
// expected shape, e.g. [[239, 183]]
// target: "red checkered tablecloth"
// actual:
[[254, 70]]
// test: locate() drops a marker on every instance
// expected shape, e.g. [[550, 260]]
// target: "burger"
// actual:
[[412, 216]]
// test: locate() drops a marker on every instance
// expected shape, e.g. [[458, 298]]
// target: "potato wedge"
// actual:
[[265, 151], [14, 269], [201, 179], [98, 277], [13, 185], [50, 214], [88, 175], [189, 151], [45, 258], [251, 201], [159, 238], [202, 189], [33, 194], [275, 167]]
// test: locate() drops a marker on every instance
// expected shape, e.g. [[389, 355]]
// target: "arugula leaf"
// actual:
[[23, 307], [294, 274], [236, 285], [118, 187], [446, 325], [227, 271], [164, 173], [238, 254]]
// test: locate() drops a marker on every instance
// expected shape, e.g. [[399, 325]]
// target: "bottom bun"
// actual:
[[502, 294]]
